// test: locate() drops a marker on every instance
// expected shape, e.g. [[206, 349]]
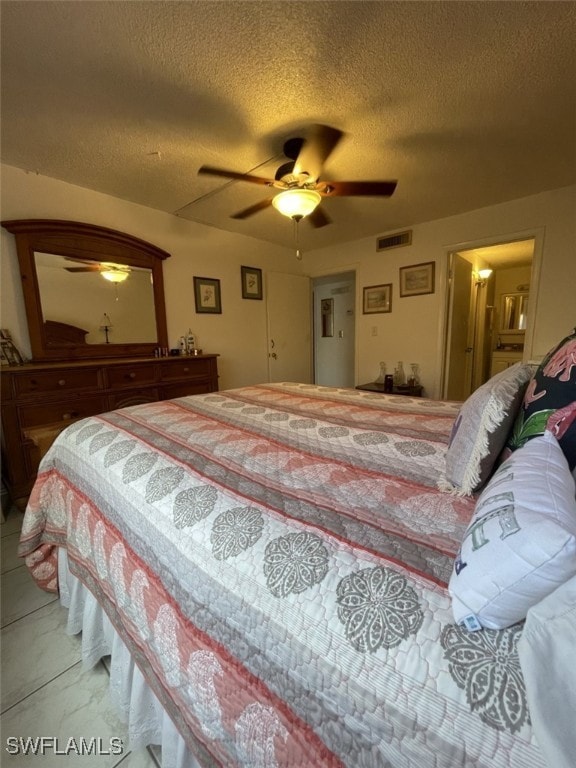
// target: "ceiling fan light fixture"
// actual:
[[297, 202], [115, 275]]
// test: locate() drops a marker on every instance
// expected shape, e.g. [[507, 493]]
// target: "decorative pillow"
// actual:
[[482, 428], [550, 401], [521, 542]]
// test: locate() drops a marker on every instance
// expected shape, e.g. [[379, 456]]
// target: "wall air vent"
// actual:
[[397, 240]]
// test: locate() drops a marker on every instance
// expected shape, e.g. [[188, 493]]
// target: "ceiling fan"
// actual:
[[114, 273], [299, 179]]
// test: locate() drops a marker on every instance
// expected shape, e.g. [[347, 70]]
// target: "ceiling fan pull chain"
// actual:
[[296, 221]]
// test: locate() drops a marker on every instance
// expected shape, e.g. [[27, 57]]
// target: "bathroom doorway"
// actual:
[[482, 335]]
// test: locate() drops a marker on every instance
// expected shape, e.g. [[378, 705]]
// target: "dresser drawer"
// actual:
[[69, 410], [190, 367], [130, 375], [125, 399], [39, 400], [184, 388], [56, 381]]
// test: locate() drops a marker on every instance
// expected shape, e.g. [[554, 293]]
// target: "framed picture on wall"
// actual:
[[207, 295], [251, 282], [417, 279], [377, 298]]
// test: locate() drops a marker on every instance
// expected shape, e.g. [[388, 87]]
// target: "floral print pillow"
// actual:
[[550, 401]]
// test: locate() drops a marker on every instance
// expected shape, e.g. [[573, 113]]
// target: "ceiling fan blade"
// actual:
[[82, 269], [252, 209], [319, 218], [76, 260], [358, 188], [208, 170], [318, 146]]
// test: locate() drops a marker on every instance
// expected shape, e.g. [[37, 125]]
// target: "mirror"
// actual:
[[89, 291], [513, 312], [327, 312], [119, 312]]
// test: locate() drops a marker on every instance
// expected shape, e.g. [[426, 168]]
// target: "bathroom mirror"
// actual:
[[89, 291], [513, 312]]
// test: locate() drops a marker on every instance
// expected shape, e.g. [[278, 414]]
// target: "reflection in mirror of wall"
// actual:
[[90, 294], [513, 312]]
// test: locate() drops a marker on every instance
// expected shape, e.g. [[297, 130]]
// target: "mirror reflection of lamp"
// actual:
[[106, 325], [115, 274]]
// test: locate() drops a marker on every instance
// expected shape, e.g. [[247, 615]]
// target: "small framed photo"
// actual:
[[251, 282], [377, 298], [417, 279], [207, 295], [9, 354]]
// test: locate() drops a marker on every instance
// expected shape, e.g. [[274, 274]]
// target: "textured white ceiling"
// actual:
[[465, 103]]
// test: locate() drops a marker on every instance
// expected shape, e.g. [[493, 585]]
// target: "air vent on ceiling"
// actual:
[[396, 240]]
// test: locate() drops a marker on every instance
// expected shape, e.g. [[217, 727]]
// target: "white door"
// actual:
[[459, 357], [289, 316]]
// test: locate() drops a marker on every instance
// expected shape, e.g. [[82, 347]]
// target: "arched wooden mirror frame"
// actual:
[[90, 242]]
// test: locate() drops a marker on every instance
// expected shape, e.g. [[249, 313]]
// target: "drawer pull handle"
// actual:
[[131, 375], [186, 370], [61, 382], [68, 416]]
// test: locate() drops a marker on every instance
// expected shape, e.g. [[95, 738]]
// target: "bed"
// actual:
[[268, 567]]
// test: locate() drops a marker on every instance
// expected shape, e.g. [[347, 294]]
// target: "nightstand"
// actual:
[[415, 391]]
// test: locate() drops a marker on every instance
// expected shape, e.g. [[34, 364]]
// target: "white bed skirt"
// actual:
[[132, 698]]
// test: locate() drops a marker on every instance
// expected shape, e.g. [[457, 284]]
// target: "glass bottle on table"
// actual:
[[399, 375], [382, 375], [414, 379]]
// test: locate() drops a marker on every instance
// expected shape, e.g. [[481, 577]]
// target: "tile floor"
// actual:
[[45, 691]]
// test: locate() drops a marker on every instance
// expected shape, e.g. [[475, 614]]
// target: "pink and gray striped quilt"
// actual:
[[276, 559]]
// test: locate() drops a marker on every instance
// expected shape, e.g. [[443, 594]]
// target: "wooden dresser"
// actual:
[[40, 399]]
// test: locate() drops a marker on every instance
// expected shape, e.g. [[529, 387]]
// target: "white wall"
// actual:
[[413, 331], [238, 334]]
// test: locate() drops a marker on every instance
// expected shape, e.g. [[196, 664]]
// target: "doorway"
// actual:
[[478, 343], [334, 311]]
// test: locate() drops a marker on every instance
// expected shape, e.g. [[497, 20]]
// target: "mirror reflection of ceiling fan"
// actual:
[[299, 179], [115, 273]]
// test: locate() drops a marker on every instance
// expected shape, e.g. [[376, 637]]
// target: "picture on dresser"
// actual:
[[9, 354]]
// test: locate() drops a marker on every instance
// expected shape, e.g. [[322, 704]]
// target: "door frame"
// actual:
[[334, 273], [450, 324], [537, 234]]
